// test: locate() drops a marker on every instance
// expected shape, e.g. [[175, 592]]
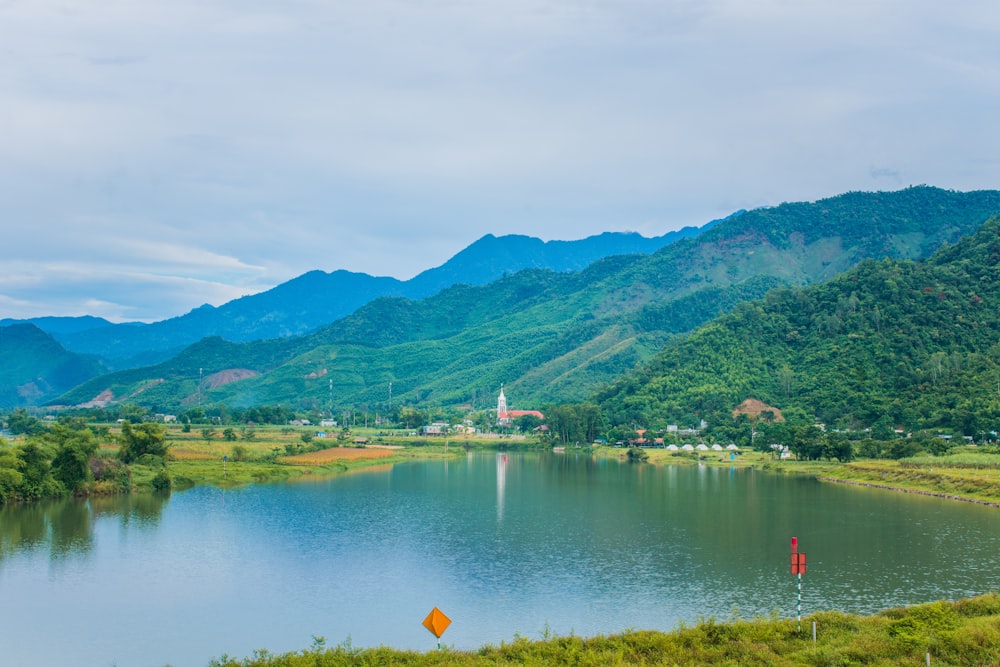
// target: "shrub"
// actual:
[[161, 482], [637, 455]]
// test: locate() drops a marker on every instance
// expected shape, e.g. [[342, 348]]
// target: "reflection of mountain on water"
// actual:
[[64, 527]]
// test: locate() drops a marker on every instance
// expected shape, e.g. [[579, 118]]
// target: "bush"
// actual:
[[637, 455], [161, 482], [110, 475], [150, 461]]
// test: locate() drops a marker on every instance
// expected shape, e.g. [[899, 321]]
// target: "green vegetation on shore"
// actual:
[[966, 632], [972, 477], [966, 474], [72, 457]]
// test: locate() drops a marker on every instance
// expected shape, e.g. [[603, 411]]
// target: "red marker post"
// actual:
[[798, 569]]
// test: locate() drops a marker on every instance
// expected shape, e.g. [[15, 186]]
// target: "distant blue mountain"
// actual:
[[317, 298], [61, 325]]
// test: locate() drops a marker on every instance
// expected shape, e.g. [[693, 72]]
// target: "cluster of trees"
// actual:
[[64, 457]]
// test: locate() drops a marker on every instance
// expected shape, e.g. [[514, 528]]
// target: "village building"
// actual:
[[506, 417]]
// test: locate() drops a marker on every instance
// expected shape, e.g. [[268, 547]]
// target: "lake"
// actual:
[[504, 544]]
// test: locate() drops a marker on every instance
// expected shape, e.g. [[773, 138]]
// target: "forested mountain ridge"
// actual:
[[35, 367], [317, 298], [806, 242], [552, 337], [889, 343]]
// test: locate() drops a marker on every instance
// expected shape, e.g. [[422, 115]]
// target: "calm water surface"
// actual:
[[503, 544]]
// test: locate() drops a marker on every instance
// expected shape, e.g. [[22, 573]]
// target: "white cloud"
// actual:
[[238, 144]]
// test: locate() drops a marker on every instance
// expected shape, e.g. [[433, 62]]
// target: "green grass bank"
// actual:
[[966, 632]]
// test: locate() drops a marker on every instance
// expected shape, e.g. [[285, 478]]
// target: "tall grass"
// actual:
[[966, 632]]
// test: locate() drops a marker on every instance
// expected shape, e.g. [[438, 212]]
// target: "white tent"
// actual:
[[672, 448], [688, 448], [702, 448]]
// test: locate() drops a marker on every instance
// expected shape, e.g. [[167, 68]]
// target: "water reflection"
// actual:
[[501, 483], [508, 543], [64, 527]]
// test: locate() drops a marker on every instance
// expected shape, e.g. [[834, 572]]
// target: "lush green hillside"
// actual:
[[317, 298], [889, 343], [553, 337], [35, 367]]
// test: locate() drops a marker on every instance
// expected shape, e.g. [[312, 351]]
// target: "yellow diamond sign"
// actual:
[[437, 622]]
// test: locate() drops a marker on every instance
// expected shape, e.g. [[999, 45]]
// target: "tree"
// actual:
[[10, 476], [527, 423], [144, 439], [36, 480], [411, 417], [837, 447], [20, 422], [75, 445]]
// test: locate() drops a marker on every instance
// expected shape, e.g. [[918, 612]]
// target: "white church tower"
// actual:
[[501, 404]]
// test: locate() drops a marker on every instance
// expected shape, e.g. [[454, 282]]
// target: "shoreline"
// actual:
[[919, 492]]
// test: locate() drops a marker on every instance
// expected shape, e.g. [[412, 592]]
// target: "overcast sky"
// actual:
[[160, 154]]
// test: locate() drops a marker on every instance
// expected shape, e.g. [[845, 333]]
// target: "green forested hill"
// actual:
[[555, 337], [35, 367], [888, 343]]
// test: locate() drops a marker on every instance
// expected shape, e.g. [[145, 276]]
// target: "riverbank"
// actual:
[[966, 475], [280, 455], [966, 632]]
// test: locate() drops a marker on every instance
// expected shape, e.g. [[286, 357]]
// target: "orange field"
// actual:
[[335, 454]]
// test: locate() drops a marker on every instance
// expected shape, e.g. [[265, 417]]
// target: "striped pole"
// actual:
[[799, 609]]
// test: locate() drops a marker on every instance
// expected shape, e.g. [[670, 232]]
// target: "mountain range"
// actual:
[[551, 336], [317, 298], [96, 346]]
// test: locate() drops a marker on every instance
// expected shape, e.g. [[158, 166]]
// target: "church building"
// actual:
[[506, 417]]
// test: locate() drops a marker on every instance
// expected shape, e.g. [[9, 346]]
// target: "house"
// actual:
[[437, 428]]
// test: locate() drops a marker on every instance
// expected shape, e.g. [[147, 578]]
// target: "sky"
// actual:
[[157, 155]]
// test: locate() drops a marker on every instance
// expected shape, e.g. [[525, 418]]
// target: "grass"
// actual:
[[938, 477], [967, 474], [275, 453], [743, 459], [966, 632]]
